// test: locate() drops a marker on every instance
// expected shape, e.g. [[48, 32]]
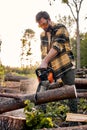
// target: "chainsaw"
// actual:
[[45, 76], [47, 79]]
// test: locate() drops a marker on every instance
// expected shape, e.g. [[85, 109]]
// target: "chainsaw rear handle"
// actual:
[[44, 74]]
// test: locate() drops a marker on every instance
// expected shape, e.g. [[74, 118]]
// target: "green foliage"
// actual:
[[55, 113], [73, 45], [29, 31], [36, 119], [57, 109], [83, 49], [20, 70], [67, 21], [82, 106], [2, 72], [65, 1]]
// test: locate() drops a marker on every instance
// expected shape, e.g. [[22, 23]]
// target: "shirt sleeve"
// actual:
[[44, 44], [60, 39]]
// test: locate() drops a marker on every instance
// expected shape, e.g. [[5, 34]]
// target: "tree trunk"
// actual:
[[78, 42], [65, 92]]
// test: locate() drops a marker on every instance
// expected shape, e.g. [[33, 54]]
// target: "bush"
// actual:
[[36, 119]]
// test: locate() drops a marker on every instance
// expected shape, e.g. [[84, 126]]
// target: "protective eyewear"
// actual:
[[43, 25]]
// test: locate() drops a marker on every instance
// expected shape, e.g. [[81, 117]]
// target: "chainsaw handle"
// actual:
[[42, 73]]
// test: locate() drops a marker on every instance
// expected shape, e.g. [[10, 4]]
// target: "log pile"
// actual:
[[10, 77], [16, 101], [66, 92], [9, 89], [81, 73], [13, 123]]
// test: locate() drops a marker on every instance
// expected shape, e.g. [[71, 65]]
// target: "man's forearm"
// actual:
[[52, 53]]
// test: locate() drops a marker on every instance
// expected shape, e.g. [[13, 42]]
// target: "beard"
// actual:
[[49, 29]]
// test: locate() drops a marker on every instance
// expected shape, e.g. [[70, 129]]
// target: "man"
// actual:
[[56, 52]]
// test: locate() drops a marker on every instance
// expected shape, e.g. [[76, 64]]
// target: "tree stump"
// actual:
[[12, 123]]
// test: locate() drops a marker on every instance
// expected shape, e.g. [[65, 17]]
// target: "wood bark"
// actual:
[[12, 123], [7, 95], [9, 89], [82, 95], [10, 77], [16, 101], [65, 92], [81, 83], [18, 123], [81, 127]]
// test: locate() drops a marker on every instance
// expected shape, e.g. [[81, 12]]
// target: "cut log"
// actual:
[[7, 95], [81, 90], [17, 101], [17, 123], [65, 92], [10, 77], [82, 95], [12, 123], [81, 83], [76, 117], [81, 127], [9, 89]]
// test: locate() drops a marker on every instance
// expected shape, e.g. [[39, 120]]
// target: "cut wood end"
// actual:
[[76, 117]]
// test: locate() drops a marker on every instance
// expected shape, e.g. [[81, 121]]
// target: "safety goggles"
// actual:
[[43, 25]]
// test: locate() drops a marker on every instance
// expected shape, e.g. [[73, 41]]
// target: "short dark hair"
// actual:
[[42, 14]]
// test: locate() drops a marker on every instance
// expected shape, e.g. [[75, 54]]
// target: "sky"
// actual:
[[18, 15]]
